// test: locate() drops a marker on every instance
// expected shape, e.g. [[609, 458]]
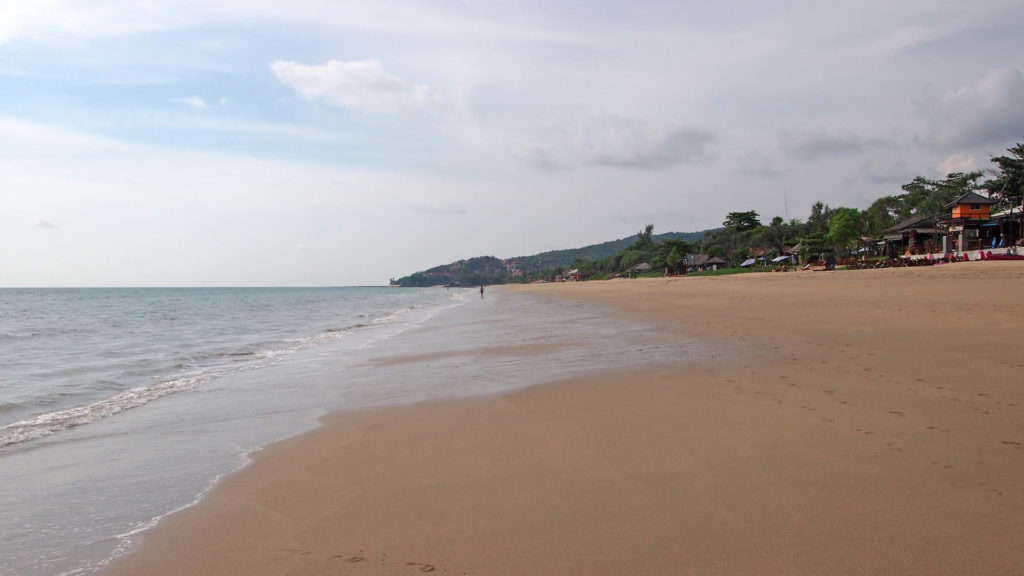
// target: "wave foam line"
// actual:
[[53, 422]]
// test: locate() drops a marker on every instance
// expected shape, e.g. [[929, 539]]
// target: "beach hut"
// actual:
[[705, 262], [638, 269], [795, 252], [569, 276], [916, 234], [714, 263], [1010, 223]]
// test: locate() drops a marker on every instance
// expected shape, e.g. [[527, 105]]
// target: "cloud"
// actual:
[[440, 210], [886, 174], [610, 140], [988, 112], [755, 163], [36, 140], [957, 163], [362, 85], [817, 142], [44, 224], [194, 102]]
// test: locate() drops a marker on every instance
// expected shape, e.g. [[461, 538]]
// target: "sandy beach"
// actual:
[[852, 422]]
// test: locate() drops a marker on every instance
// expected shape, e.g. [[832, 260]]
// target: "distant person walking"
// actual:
[[481, 291]]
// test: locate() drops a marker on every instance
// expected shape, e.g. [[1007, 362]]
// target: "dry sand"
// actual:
[[861, 422]]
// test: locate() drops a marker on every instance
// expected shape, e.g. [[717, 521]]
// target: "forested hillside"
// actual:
[[491, 270]]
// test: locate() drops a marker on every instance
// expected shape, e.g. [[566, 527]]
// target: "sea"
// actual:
[[121, 406]]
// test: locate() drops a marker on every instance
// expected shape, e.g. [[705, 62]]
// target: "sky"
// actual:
[[327, 142]]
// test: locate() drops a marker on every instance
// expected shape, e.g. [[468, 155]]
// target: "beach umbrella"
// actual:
[[780, 259], [748, 262]]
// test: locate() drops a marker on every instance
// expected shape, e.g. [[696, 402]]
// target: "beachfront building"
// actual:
[[967, 227], [704, 262], [794, 253], [639, 269], [1009, 224], [915, 235], [569, 276]]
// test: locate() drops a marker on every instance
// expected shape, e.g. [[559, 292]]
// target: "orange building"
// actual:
[[969, 213]]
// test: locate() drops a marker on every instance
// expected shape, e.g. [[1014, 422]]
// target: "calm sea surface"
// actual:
[[120, 406]]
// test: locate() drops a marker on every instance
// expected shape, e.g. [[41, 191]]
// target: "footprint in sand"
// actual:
[[1012, 443], [421, 567]]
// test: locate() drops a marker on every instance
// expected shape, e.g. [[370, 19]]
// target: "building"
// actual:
[[967, 226], [704, 262], [916, 234], [1009, 224]]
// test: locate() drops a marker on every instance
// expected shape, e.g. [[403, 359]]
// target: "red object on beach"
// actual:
[[992, 256]]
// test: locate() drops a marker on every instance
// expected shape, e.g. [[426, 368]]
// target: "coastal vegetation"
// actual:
[[828, 232]]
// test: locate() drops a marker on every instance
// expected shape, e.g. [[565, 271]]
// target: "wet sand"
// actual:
[[861, 422]]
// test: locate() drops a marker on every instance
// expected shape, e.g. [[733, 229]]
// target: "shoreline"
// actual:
[[827, 433]]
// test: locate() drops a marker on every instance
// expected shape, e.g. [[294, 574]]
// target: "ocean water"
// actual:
[[121, 406]]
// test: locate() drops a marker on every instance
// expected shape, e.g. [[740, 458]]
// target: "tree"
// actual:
[[776, 234], [1007, 188], [644, 240], [843, 228], [742, 221], [883, 213], [817, 222], [671, 253], [930, 197]]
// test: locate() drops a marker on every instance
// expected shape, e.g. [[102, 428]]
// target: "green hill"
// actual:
[[491, 270], [564, 258]]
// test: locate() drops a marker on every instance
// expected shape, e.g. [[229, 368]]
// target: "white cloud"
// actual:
[[44, 224], [957, 163], [988, 112], [361, 85], [36, 140], [193, 101]]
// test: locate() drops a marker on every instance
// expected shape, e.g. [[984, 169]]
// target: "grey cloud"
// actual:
[[44, 224], [756, 163], [818, 142], [986, 113], [435, 210], [897, 173], [610, 140], [677, 147]]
